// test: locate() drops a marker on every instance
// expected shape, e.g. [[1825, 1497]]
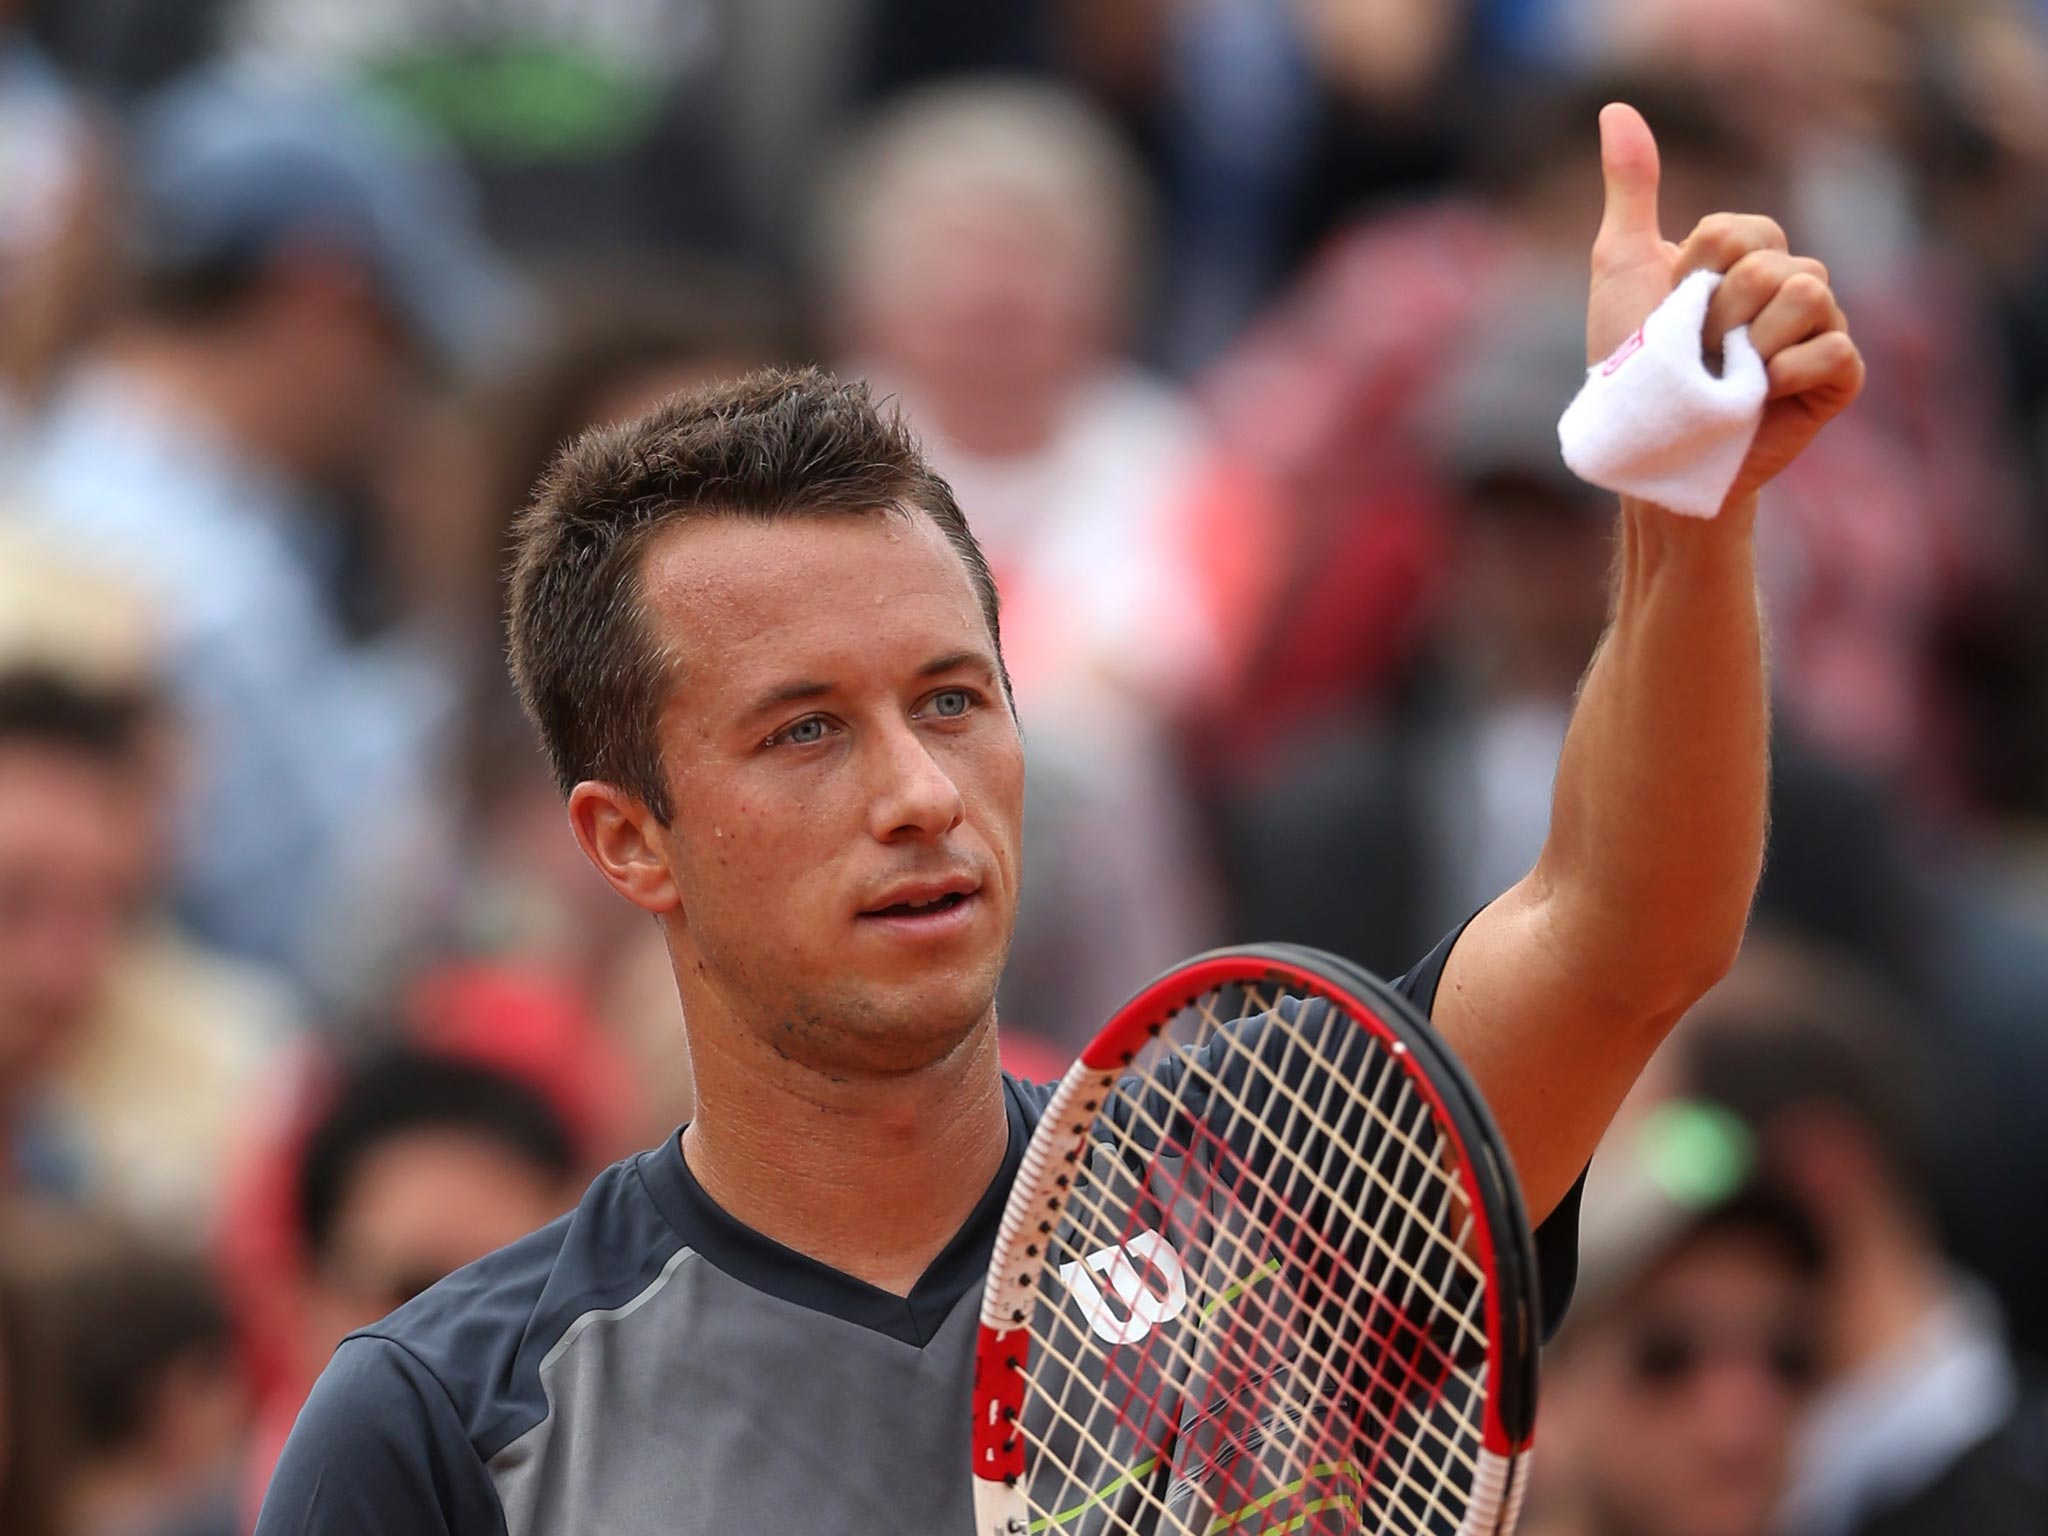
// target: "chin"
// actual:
[[939, 1020], [911, 1026]]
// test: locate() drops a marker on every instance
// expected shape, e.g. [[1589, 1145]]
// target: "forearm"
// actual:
[[1657, 826], [1558, 993]]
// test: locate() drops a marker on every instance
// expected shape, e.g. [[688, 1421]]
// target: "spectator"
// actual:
[[1672, 1395], [1405, 815], [301, 258], [608, 124], [417, 1164], [1923, 1424], [1275, 121], [982, 249], [420, 1165], [1910, 521], [1263, 122], [1990, 975], [124, 1048], [1329, 396], [159, 1415], [54, 204], [515, 1021], [66, 825], [483, 873], [119, 50], [34, 1466], [1869, 550]]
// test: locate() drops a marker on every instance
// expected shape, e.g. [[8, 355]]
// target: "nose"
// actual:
[[913, 797]]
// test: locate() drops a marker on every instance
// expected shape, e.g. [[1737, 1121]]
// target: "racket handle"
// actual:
[[1520, 1486], [1000, 1508], [1497, 1486]]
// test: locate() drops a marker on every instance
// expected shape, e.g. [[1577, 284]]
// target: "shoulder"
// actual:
[[482, 1334], [1420, 981], [378, 1448]]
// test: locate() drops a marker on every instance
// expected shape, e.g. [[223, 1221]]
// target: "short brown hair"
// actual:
[[774, 443]]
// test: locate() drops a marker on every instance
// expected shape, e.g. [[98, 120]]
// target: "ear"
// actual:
[[619, 835]]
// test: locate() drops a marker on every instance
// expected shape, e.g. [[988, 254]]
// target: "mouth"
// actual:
[[929, 906], [938, 904]]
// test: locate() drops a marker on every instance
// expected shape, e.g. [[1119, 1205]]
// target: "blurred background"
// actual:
[[1241, 327]]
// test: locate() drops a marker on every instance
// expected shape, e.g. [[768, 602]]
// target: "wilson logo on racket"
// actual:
[[1370, 1364], [1147, 1302]]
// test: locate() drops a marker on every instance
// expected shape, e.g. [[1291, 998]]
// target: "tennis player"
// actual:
[[760, 645]]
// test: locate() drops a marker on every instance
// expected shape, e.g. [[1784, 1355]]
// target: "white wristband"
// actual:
[[1651, 421]]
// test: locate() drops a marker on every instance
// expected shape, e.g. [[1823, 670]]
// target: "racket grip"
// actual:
[[1497, 1484], [1513, 1514], [1000, 1509]]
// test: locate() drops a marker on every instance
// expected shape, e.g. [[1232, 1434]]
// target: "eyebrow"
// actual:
[[788, 693], [800, 691], [954, 660]]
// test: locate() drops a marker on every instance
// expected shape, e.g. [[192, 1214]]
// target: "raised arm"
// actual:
[[1559, 991]]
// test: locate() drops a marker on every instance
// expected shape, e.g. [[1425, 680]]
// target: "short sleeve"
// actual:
[[379, 1451], [1557, 1238], [1419, 982]]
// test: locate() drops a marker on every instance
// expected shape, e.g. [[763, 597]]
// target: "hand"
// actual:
[[1794, 322]]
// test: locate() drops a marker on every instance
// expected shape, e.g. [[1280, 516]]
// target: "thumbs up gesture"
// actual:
[[1794, 322]]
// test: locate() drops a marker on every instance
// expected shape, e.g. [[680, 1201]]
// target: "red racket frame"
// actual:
[[1501, 1236]]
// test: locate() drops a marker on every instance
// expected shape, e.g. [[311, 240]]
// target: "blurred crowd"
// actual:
[[1241, 328]]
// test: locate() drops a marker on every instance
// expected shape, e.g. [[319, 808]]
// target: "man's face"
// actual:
[[847, 784], [1687, 1400], [421, 1205], [68, 878]]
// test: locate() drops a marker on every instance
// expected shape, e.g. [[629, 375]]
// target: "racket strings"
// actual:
[[1326, 1252], [1089, 1435], [1379, 1331], [1313, 1397], [1390, 1126], [1316, 1371]]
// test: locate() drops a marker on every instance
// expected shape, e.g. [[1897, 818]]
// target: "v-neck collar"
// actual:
[[771, 1267]]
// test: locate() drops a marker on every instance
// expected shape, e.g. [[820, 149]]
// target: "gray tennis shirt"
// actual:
[[648, 1366]]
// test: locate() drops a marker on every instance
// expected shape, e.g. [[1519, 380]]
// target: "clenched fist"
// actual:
[[1794, 322]]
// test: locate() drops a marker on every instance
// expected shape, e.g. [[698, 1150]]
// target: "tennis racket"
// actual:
[[1265, 1268]]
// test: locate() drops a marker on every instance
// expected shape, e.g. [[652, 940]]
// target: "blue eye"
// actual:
[[803, 733], [952, 703]]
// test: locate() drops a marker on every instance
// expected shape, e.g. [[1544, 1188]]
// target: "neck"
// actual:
[[869, 1174]]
